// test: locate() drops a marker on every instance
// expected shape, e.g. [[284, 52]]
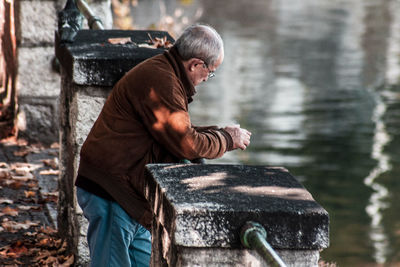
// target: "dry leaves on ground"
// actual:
[[25, 150], [19, 176], [24, 241], [42, 247]]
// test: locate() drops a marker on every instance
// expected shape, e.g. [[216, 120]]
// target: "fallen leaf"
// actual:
[[49, 260], [34, 251], [49, 172], [30, 233], [50, 196], [35, 208], [55, 145], [53, 163], [25, 150], [6, 201], [53, 194], [121, 40], [21, 142], [22, 207], [4, 174], [158, 42], [29, 193], [32, 185], [14, 184], [43, 255], [18, 178], [48, 230], [3, 250], [68, 262], [25, 178], [17, 249], [4, 170], [22, 171], [147, 46], [24, 167], [44, 241], [12, 226], [22, 152], [9, 211], [4, 165]]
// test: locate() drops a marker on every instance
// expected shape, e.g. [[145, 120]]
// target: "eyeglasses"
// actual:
[[211, 73]]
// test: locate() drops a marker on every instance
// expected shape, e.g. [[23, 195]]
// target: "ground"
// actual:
[[28, 203]]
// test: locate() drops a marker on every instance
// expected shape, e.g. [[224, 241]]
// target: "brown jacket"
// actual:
[[145, 120]]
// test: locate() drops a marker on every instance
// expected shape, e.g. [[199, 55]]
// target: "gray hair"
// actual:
[[200, 41]]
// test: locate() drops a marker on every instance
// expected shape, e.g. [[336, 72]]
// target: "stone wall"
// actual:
[[38, 79]]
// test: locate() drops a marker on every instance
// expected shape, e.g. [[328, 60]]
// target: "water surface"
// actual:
[[317, 82]]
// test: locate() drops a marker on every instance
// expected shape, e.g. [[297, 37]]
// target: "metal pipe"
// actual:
[[254, 236], [94, 22]]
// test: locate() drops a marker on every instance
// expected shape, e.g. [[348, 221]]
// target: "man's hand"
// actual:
[[240, 137]]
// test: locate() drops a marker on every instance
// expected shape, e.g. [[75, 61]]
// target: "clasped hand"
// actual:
[[240, 136]]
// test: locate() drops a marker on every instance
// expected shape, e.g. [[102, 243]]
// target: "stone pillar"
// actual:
[[38, 81], [90, 67], [200, 209]]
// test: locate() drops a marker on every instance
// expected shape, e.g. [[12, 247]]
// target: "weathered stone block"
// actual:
[[40, 116], [37, 21], [86, 60], [36, 77], [200, 207], [89, 103], [38, 91]]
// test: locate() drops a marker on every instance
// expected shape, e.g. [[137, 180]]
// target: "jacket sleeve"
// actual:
[[165, 115]]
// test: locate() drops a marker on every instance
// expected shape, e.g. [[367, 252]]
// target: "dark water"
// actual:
[[317, 82]]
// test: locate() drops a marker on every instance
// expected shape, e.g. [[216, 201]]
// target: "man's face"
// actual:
[[201, 71]]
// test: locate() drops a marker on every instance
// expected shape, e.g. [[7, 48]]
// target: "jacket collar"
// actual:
[[176, 61]]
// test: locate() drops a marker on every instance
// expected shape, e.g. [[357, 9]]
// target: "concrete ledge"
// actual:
[[204, 206], [92, 60], [210, 203]]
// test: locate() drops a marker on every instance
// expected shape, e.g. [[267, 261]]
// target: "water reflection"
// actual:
[[377, 201], [317, 82]]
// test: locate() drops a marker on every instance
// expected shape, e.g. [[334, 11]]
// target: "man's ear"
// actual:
[[192, 63]]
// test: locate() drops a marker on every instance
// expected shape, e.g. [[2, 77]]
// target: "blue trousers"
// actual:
[[115, 239]]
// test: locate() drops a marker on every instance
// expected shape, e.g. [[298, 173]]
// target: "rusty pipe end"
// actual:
[[248, 229]]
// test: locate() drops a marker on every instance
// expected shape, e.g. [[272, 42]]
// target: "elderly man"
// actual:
[[145, 120]]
